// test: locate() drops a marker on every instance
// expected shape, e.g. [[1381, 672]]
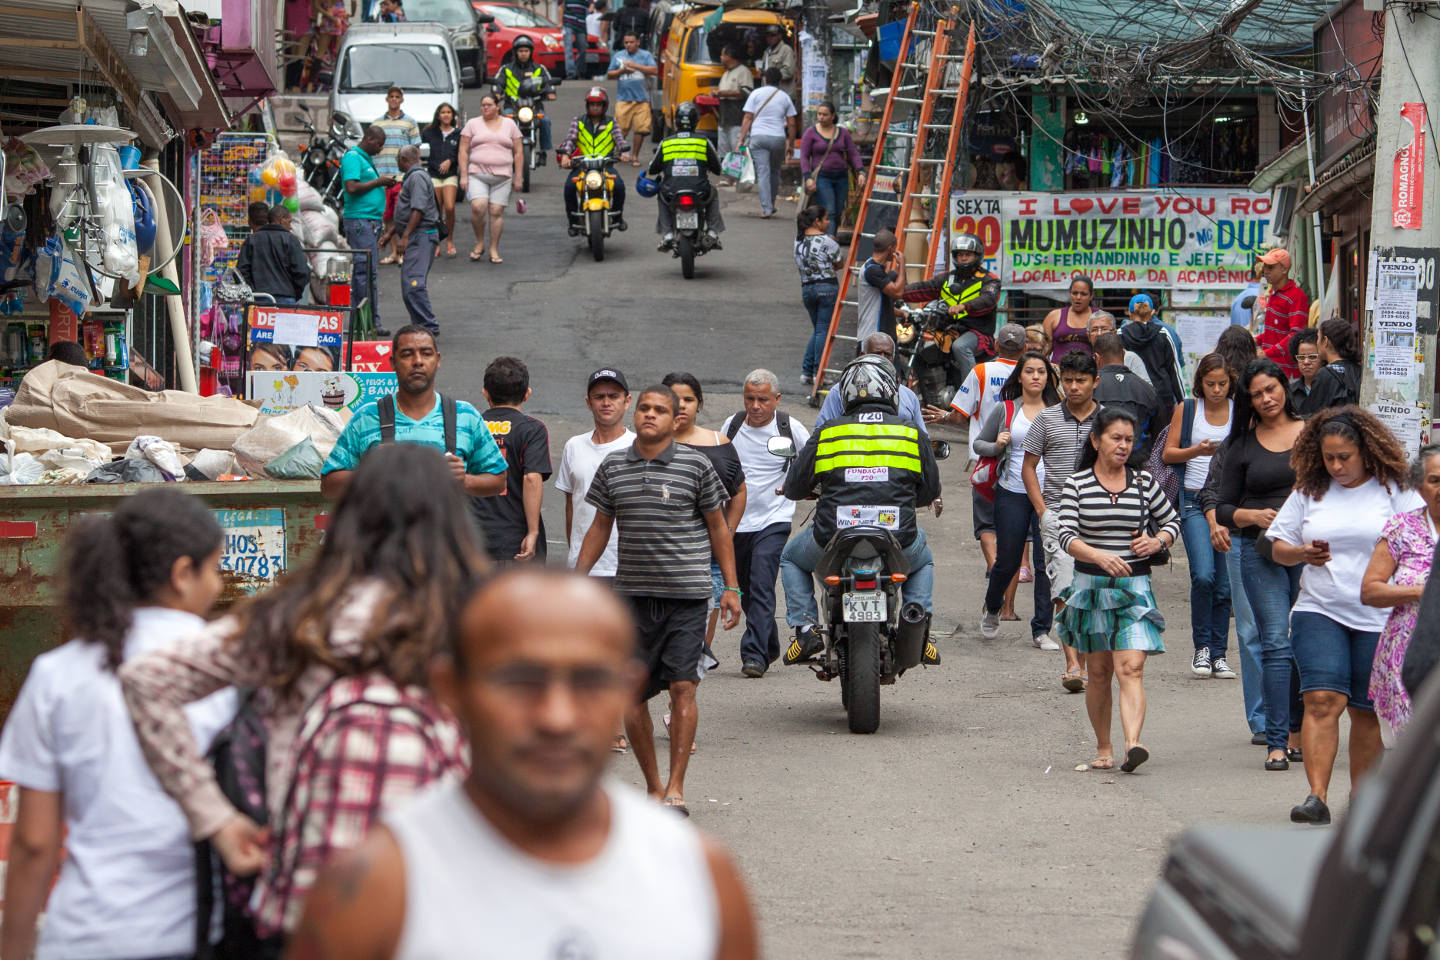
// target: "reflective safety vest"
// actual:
[[598, 144], [512, 82], [685, 146], [869, 470], [967, 293], [846, 443]]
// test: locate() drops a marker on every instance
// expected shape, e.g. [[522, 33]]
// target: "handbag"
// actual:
[[987, 469], [1148, 525]]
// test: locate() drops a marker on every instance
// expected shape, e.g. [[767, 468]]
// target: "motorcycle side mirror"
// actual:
[[325, 78], [781, 447], [467, 75], [941, 448]]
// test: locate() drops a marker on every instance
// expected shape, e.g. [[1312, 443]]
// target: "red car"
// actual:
[[513, 21]]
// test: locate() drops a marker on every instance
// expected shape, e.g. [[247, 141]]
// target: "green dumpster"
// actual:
[[270, 526]]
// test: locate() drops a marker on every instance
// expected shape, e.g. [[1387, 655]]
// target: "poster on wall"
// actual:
[[1152, 239], [1408, 183], [282, 391]]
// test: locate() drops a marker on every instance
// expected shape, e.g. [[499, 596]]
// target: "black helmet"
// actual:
[[869, 379], [966, 243], [524, 42], [687, 117]]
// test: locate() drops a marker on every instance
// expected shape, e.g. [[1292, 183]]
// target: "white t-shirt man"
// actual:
[[578, 463], [772, 107], [980, 393], [764, 472]]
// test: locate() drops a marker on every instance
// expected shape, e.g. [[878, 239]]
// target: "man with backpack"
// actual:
[[416, 413], [419, 228], [765, 526]]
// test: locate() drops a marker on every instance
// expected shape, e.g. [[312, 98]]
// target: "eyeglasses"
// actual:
[[531, 682], [1307, 358]]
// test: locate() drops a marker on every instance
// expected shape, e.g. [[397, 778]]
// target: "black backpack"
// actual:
[[385, 407], [782, 421]]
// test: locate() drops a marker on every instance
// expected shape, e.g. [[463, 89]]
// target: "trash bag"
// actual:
[[162, 453], [300, 462], [127, 471], [19, 468]]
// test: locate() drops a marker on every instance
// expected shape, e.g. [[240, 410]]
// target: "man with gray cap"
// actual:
[[780, 55], [417, 223]]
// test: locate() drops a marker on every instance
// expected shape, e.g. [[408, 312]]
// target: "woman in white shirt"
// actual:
[[135, 581], [1031, 387], [1350, 479], [1209, 416], [769, 130]]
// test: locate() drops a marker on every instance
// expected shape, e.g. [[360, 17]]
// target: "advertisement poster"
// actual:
[[297, 326], [1408, 186], [281, 391], [1156, 239], [370, 356]]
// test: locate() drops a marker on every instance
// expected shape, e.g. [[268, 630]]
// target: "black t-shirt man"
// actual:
[[526, 445]]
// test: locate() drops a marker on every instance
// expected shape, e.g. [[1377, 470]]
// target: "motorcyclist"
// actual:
[[518, 67], [593, 135], [876, 468], [684, 160], [971, 292]]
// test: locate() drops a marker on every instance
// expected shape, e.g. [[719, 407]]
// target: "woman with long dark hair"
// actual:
[[1068, 326], [376, 600], [443, 135], [1114, 521], [816, 257], [1338, 381], [1256, 481], [135, 581]]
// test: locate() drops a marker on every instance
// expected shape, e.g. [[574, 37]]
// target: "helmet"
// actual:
[[966, 243], [687, 117], [597, 95], [525, 42], [869, 379], [646, 187]]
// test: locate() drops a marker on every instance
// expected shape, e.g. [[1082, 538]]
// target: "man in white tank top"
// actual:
[[535, 856]]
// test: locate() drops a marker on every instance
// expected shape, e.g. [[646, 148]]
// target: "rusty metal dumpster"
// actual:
[[270, 526]]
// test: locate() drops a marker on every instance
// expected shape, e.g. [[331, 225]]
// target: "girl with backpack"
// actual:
[[136, 581]]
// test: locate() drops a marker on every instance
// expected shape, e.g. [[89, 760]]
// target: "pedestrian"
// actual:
[[816, 257], [1036, 338], [883, 276], [733, 90], [1257, 479], [1287, 309], [1242, 308], [1151, 340], [364, 212], [330, 19], [575, 37], [1101, 323], [880, 345], [1116, 522], [1350, 481], [765, 525], [607, 395], [272, 259], [1305, 352], [1337, 382], [135, 581], [768, 128], [721, 453], [1055, 441], [416, 227], [1031, 388], [537, 849], [630, 18], [401, 130], [631, 69], [417, 413], [492, 162], [1395, 580], [779, 56], [596, 24], [1067, 326], [1118, 387], [1197, 429], [443, 136], [514, 531], [828, 155], [392, 11], [666, 501]]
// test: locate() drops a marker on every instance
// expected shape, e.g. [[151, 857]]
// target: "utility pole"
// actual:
[[1398, 385]]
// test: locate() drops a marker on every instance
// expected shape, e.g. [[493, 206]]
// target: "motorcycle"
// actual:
[[320, 158], [595, 191], [692, 226], [871, 636], [527, 110], [923, 344]]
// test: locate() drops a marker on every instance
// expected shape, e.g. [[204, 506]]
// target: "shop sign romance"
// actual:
[[1408, 189]]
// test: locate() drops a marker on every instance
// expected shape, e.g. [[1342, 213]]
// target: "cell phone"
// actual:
[[1321, 545]]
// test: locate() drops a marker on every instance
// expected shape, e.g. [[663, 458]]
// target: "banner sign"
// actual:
[[297, 326], [281, 391], [1408, 186], [1157, 239]]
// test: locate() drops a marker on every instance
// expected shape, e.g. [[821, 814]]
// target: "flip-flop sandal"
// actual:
[[619, 745], [476, 256], [677, 804], [1099, 763], [1073, 682], [386, 261], [497, 259], [1135, 756]]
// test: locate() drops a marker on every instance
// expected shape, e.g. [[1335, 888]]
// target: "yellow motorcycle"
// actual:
[[595, 189]]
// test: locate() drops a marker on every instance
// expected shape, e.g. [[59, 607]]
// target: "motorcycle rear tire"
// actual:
[[597, 234], [686, 248], [862, 677], [525, 175]]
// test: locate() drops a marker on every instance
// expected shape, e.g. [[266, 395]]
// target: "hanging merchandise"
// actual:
[[116, 211], [212, 237]]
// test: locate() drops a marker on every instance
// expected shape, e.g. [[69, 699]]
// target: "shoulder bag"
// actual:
[[987, 469], [1147, 525]]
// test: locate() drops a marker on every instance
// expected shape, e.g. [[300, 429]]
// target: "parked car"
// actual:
[[1369, 890], [414, 56], [512, 21], [689, 53], [462, 22]]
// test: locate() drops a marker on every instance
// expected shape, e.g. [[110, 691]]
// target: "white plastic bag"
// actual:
[[18, 468], [162, 453], [272, 436], [746, 183], [117, 213], [215, 464]]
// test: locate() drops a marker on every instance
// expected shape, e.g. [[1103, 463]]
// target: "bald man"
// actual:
[[535, 855], [417, 221]]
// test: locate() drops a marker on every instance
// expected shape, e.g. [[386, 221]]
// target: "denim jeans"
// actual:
[[1333, 657], [768, 154], [1247, 639], [802, 554], [819, 299], [962, 351], [1272, 590], [832, 191], [1015, 523], [1209, 583], [575, 41], [757, 558], [363, 236]]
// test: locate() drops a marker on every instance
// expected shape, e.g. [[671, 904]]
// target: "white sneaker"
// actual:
[[1221, 670], [990, 625], [1200, 663], [1043, 642]]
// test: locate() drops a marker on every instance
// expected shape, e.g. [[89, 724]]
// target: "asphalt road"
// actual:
[[961, 828]]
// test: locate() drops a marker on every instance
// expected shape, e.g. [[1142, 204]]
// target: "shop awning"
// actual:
[[1288, 164], [1355, 167]]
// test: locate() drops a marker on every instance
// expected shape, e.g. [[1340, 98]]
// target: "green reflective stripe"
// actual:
[[826, 464], [840, 444], [512, 82], [868, 430], [600, 144]]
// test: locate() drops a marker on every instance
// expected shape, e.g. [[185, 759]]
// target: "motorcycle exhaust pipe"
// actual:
[[911, 635]]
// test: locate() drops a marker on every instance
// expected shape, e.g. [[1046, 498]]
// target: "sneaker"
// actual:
[[807, 643], [1219, 668], [753, 668], [1200, 664], [931, 656], [1043, 642], [806, 379], [990, 625], [665, 242]]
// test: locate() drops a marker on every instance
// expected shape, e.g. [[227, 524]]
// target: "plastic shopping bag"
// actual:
[[746, 183], [734, 164]]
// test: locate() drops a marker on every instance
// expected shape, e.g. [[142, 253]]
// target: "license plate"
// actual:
[[867, 607], [687, 221]]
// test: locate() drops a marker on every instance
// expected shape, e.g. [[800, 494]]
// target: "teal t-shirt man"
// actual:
[[365, 204], [473, 442]]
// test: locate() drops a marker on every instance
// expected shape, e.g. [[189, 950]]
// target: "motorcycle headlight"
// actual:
[[904, 332], [526, 114], [593, 180]]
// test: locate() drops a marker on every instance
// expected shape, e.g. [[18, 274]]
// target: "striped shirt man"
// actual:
[[1058, 439], [1109, 521]]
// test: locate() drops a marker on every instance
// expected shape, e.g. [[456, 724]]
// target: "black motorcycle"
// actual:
[[871, 636], [692, 227], [320, 159], [527, 110], [923, 341]]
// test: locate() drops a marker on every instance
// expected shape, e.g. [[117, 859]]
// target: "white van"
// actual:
[[417, 57]]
